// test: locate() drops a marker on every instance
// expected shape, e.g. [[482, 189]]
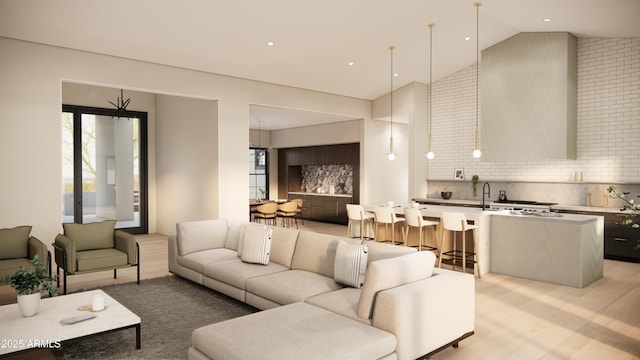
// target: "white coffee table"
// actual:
[[44, 329]]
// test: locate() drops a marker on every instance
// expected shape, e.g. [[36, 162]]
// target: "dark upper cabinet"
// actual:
[[290, 159]]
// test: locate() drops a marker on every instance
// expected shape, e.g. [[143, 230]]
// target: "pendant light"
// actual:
[[476, 152], [430, 154], [391, 155]]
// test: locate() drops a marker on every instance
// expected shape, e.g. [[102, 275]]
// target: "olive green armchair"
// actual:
[[17, 248], [92, 247]]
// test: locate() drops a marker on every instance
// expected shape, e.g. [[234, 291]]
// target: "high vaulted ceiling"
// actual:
[[314, 41]]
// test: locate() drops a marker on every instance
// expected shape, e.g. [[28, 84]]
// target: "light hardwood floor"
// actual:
[[515, 318]]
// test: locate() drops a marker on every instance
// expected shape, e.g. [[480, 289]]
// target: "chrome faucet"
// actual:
[[486, 190]]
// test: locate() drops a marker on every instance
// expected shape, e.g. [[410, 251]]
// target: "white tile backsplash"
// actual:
[[608, 129]]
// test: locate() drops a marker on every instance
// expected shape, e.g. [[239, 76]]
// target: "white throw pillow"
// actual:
[[351, 264], [256, 244]]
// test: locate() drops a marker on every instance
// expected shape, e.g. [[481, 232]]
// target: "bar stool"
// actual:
[[414, 219], [457, 222], [356, 213], [288, 212], [387, 215], [266, 212]]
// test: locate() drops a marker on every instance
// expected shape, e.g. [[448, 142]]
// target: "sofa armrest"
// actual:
[[427, 314], [65, 249], [38, 247], [126, 243]]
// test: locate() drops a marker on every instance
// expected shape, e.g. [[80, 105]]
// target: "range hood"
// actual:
[[529, 97]]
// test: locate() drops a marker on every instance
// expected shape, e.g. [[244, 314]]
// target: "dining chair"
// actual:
[[287, 212], [266, 212]]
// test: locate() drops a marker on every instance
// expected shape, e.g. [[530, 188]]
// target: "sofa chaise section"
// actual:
[[294, 331]]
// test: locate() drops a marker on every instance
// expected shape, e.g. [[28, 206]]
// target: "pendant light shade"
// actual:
[[430, 154], [391, 155], [476, 152]]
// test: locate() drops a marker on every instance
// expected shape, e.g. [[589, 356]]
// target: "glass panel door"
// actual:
[[107, 171]]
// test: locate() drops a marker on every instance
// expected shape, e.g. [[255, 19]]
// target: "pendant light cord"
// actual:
[[477, 5], [430, 76], [391, 48]]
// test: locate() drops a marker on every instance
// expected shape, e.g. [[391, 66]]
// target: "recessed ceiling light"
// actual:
[[351, 63], [467, 38], [270, 43], [546, 20], [395, 74]]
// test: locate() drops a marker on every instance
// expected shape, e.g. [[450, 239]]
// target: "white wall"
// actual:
[[30, 141], [608, 126], [187, 179], [343, 132]]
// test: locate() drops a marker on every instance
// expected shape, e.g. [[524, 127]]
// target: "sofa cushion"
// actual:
[[296, 331], [201, 235], [236, 272], [299, 284], [283, 245], [256, 244], [92, 236], [315, 252], [15, 242], [389, 273], [350, 264], [236, 227], [196, 261], [342, 301]]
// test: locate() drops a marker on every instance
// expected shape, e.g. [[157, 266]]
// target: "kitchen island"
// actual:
[[565, 249]]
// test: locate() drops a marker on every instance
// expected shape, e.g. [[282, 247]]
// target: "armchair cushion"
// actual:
[[14, 242], [99, 235], [100, 259]]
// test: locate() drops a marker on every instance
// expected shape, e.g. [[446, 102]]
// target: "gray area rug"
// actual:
[[170, 308]]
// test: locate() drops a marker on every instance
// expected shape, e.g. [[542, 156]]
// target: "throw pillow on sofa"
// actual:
[[350, 264], [256, 244]]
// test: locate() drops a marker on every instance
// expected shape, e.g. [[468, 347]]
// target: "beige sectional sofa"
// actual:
[[404, 310]]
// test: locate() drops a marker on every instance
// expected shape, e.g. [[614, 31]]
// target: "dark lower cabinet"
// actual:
[[331, 209], [621, 242]]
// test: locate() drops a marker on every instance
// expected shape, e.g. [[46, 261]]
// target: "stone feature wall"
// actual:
[[320, 178]]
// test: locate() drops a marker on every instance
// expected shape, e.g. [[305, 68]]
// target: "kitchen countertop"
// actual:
[[559, 207], [320, 194]]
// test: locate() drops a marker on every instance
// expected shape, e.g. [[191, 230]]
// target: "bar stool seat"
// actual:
[[355, 213], [386, 215], [415, 220], [457, 222]]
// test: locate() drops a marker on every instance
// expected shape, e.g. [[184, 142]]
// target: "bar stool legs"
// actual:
[[455, 222]]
